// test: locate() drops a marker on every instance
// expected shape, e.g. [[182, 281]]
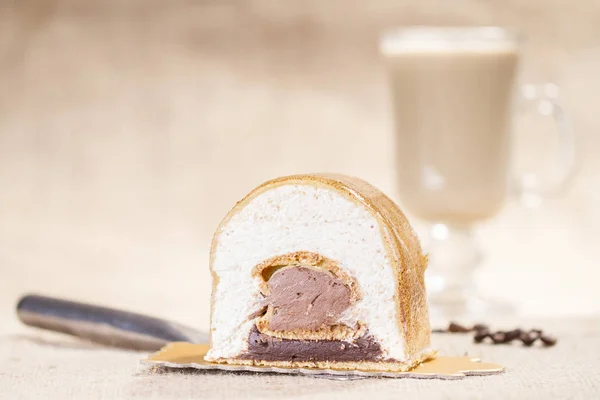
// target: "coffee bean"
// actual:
[[481, 335], [499, 337], [527, 338], [457, 328], [513, 335], [480, 327], [536, 333], [548, 340]]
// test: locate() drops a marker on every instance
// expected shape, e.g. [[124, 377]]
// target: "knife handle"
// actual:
[[101, 324]]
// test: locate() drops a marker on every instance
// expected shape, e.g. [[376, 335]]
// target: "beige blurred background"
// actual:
[[128, 128]]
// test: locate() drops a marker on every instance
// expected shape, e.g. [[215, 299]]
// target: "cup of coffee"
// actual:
[[453, 92]]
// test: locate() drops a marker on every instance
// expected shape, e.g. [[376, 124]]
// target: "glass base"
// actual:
[[453, 258]]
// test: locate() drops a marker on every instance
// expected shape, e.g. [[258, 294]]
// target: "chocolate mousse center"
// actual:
[[306, 298]]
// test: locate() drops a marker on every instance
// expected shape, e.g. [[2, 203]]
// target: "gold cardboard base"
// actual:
[[187, 355]]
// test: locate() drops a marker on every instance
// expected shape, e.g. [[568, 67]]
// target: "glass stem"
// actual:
[[453, 258]]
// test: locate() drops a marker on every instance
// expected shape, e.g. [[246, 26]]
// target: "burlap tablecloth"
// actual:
[[50, 366], [127, 131]]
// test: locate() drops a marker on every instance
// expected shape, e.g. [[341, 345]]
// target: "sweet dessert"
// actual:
[[318, 271]]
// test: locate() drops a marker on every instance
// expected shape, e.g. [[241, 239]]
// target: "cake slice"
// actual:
[[319, 271]]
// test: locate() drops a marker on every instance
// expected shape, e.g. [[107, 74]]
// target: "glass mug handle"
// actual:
[[530, 187]]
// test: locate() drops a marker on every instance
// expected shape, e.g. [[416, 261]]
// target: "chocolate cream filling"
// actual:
[[308, 299], [268, 348], [305, 298]]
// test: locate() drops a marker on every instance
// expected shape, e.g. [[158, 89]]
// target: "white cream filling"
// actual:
[[300, 217]]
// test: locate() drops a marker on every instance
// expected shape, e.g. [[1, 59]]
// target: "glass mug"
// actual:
[[453, 92]]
